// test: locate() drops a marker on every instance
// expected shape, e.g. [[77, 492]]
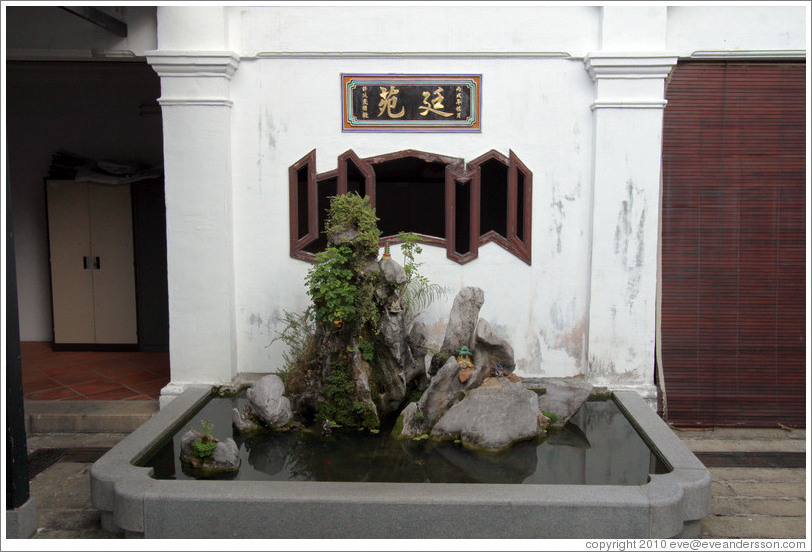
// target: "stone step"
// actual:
[[737, 433], [86, 416], [784, 475], [744, 445], [757, 489]]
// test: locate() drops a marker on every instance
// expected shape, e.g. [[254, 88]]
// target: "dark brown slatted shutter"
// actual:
[[733, 244]]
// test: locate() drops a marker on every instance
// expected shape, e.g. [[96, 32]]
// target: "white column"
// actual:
[[196, 106], [628, 114]]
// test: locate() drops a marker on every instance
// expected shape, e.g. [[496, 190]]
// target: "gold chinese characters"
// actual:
[[389, 101], [436, 103]]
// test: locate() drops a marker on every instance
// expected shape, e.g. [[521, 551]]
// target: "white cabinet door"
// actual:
[[71, 274], [92, 272], [111, 244]]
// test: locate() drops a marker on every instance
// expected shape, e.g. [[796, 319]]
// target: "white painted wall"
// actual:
[[738, 30], [290, 103], [396, 30], [576, 92], [546, 124]]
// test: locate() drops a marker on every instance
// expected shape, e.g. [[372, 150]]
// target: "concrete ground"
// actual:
[[748, 502], [759, 503], [62, 491]]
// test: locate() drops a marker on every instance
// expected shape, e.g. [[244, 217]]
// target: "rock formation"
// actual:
[[461, 327], [495, 415], [484, 406], [223, 461], [564, 398], [267, 407], [365, 358]]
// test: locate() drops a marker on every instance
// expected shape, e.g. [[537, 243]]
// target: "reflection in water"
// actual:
[[513, 465], [569, 436], [270, 455], [598, 447]]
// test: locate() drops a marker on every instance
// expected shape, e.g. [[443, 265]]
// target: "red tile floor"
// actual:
[[85, 375]]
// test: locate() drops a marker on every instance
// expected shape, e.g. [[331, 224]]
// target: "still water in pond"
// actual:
[[597, 447]]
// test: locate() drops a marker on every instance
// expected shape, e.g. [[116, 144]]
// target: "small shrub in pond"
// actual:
[[205, 445], [198, 457], [550, 416]]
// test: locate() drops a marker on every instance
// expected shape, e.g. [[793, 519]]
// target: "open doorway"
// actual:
[[102, 111]]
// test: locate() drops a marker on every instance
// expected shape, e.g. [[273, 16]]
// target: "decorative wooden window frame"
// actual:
[[303, 181], [298, 241]]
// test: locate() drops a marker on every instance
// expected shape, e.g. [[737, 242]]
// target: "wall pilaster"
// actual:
[[628, 115], [196, 108]]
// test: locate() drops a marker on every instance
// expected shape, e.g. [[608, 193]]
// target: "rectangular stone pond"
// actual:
[[618, 472]]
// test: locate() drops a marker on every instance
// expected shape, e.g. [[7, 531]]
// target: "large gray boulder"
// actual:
[[463, 319], [395, 364], [491, 349], [410, 422], [443, 391], [493, 416], [267, 402], [563, 398]]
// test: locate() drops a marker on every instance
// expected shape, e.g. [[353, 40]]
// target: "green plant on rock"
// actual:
[[341, 404], [205, 445], [550, 416], [365, 413], [340, 284], [351, 211], [367, 349], [418, 291], [299, 334], [331, 285]]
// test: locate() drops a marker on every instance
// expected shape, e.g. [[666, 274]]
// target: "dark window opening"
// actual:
[[462, 228], [494, 192], [410, 197], [303, 201]]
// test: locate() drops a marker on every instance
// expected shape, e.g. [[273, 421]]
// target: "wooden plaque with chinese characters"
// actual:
[[427, 103]]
